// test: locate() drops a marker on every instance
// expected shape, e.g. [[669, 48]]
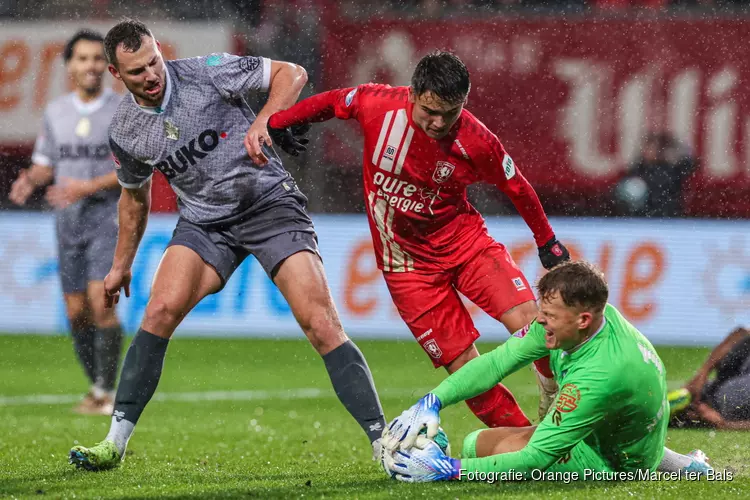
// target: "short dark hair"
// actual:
[[579, 284], [84, 34], [127, 32], [443, 74]]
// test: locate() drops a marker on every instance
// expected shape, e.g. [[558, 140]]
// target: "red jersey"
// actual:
[[415, 186]]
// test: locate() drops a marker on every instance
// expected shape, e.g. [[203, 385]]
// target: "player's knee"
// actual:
[[162, 314], [77, 313], [104, 318], [323, 328], [78, 319]]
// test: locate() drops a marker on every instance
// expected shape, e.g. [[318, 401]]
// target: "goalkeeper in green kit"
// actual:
[[611, 411]]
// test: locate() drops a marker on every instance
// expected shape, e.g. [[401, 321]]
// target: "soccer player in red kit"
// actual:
[[422, 149]]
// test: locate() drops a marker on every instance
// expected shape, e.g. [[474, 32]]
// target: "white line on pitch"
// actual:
[[257, 395], [251, 395]]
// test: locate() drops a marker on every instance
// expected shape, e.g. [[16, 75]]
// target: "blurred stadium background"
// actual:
[[631, 118], [634, 114]]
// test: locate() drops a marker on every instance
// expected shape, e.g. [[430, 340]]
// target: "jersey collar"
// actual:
[[87, 108], [157, 110]]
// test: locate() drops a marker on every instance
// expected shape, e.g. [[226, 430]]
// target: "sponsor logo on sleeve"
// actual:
[[519, 284], [568, 398], [567, 401], [249, 63], [509, 167], [390, 152], [350, 97], [213, 60]]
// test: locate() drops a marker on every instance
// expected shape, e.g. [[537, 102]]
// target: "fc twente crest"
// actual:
[[443, 171]]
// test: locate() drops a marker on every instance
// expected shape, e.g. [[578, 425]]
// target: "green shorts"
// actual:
[[579, 459]]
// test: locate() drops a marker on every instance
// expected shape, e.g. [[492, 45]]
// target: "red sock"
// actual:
[[498, 408], [542, 366]]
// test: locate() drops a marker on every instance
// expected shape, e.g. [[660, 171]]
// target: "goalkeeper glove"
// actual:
[[289, 139], [405, 428], [421, 465], [553, 253]]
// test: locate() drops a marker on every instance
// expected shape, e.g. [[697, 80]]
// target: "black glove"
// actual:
[[289, 139], [553, 253]]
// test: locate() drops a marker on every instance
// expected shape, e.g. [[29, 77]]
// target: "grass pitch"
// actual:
[[258, 419]]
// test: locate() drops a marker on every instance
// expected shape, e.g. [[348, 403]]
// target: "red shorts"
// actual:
[[430, 305]]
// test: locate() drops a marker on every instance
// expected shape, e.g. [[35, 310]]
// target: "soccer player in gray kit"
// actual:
[[73, 150], [189, 119]]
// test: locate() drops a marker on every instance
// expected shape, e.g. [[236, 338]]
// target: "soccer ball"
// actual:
[[440, 439], [422, 442]]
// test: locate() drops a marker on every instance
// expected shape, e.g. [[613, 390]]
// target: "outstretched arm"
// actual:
[[551, 441], [477, 376], [339, 103], [497, 167], [695, 386], [482, 373]]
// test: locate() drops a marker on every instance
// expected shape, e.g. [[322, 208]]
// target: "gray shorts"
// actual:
[[282, 229], [88, 259], [729, 392]]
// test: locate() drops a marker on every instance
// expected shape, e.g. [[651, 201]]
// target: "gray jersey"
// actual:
[[73, 141], [195, 138]]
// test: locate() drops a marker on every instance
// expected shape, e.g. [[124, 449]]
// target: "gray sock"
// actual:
[[119, 433], [352, 381], [83, 343], [108, 346], [140, 375], [673, 461]]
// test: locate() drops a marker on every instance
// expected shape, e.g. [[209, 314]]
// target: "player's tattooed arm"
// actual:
[[285, 84], [133, 210]]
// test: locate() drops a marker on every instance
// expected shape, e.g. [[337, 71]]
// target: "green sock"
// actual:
[[470, 445]]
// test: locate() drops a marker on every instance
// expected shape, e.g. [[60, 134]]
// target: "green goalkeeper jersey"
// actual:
[[612, 398]]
